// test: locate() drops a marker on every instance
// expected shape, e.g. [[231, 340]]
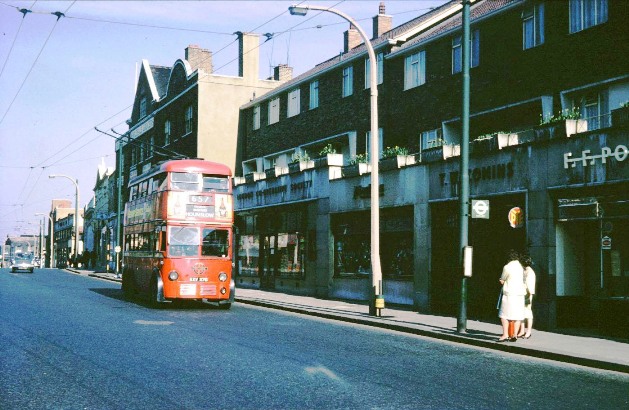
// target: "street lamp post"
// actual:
[[76, 214], [376, 272], [50, 233]]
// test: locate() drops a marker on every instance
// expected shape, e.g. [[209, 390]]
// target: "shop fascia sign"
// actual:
[[587, 158]]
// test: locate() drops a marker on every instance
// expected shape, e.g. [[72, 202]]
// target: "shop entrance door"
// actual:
[[268, 265]]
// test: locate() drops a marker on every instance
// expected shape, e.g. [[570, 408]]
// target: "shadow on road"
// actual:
[[117, 294]]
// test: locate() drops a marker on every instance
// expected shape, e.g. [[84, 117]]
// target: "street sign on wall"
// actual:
[[480, 208]]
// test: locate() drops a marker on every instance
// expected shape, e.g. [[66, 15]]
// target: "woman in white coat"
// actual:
[[529, 282], [513, 292]]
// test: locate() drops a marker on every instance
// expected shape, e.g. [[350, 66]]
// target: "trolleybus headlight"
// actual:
[[173, 275], [223, 291], [222, 276]]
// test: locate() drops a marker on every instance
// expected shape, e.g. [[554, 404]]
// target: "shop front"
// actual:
[[592, 234], [498, 179], [352, 254], [276, 221]]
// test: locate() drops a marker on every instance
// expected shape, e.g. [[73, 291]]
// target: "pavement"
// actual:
[[584, 350]]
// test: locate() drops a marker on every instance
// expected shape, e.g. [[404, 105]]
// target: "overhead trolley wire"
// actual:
[[58, 14]]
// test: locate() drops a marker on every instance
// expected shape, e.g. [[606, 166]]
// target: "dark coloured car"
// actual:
[[23, 264]]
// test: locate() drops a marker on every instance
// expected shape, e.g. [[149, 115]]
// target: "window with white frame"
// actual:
[[293, 103], [532, 25], [167, 130], [348, 81], [380, 68], [274, 111], [151, 146], [457, 52], [188, 119], [431, 139], [595, 110], [415, 70], [143, 103], [587, 13], [256, 117], [368, 143], [314, 94]]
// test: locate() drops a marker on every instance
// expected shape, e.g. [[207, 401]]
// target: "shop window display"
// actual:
[[353, 256], [248, 255]]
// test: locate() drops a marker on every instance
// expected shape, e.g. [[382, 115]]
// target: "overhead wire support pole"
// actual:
[[464, 195]]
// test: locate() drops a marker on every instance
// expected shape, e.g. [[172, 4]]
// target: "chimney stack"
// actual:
[[248, 56], [351, 38], [381, 23], [282, 72], [199, 58]]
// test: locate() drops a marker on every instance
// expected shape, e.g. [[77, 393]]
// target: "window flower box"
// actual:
[[330, 160], [276, 171], [254, 176], [559, 129], [395, 162], [483, 145], [440, 153], [506, 139], [356, 169], [301, 165]]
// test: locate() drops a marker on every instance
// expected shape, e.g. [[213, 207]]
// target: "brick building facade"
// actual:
[[533, 62]]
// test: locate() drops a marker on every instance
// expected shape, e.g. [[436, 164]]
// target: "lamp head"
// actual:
[[298, 10]]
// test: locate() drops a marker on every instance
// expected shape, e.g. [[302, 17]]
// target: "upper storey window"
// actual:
[[533, 26], [348, 81], [415, 70], [143, 103], [256, 117], [293, 103], [314, 94], [380, 72], [587, 13], [274, 111], [457, 52], [188, 119]]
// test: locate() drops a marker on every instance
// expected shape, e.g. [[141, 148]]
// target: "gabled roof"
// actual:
[[150, 79], [161, 75], [478, 11], [394, 36]]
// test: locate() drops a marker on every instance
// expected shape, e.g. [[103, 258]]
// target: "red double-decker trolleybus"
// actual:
[[178, 227]]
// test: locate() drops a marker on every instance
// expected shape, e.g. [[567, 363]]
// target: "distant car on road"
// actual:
[[22, 263]]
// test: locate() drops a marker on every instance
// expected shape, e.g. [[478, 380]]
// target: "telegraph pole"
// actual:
[[464, 195]]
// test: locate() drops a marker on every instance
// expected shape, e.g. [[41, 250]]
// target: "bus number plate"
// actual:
[[198, 279], [201, 199]]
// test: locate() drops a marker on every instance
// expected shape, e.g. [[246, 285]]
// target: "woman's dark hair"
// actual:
[[525, 260], [512, 255]]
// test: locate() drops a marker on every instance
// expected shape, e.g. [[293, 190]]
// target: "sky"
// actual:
[[62, 77]]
